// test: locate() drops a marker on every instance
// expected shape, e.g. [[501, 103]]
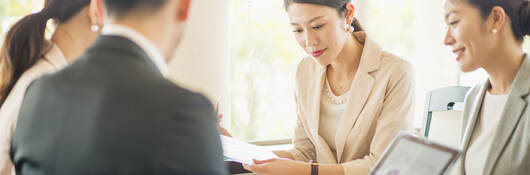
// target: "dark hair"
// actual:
[[122, 7], [518, 11], [339, 5], [25, 44]]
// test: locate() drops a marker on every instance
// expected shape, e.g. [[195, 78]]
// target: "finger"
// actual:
[[263, 161], [247, 167], [220, 116], [224, 132]]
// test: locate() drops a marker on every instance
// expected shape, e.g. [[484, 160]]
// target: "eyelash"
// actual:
[[318, 27], [453, 23], [314, 28]]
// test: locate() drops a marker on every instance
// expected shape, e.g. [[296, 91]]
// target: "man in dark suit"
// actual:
[[113, 111]]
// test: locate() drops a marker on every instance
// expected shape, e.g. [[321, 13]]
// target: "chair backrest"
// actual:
[[443, 99]]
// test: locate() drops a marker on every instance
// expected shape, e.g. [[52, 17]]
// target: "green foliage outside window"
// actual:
[[12, 10]]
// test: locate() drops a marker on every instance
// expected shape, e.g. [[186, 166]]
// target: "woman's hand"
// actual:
[[279, 167], [222, 130]]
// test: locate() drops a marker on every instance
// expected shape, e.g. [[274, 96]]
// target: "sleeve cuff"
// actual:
[[355, 167], [298, 155]]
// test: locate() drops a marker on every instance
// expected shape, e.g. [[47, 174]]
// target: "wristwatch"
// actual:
[[314, 167]]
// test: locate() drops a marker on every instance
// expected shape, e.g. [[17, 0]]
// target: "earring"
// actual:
[[94, 28], [494, 31], [349, 28]]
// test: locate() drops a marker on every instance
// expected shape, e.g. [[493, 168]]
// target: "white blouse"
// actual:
[[331, 109], [485, 129]]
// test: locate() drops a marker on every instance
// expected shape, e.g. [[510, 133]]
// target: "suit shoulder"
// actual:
[[307, 67], [180, 93], [396, 68], [395, 63], [45, 81], [305, 64]]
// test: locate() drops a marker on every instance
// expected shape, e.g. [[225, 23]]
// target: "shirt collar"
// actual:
[[55, 57], [154, 53]]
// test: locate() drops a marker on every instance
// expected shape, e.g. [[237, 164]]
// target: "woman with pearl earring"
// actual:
[[489, 34], [27, 54], [352, 97]]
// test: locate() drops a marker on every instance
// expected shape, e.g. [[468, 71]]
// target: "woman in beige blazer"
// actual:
[[488, 34], [352, 97], [26, 56]]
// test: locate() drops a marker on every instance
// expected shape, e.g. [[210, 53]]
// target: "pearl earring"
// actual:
[[349, 28], [494, 31], [94, 28]]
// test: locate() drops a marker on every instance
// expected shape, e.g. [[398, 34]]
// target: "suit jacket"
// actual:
[[112, 112], [510, 152], [51, 62], [380, 105]]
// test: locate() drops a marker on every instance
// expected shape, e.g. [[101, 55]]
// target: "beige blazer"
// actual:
[[51, 62], [380, 105], [510, 153]]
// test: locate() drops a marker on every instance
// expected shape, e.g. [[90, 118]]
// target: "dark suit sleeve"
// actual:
[[28, 104], [193, 138]]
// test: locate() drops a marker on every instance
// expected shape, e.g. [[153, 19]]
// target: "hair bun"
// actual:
[[525, 17]]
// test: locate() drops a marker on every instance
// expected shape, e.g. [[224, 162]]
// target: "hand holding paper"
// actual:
[[244, 152]]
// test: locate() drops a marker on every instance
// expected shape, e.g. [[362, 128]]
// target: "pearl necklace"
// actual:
[[338, 100]]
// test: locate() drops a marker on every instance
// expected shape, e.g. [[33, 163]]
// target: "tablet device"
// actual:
[[412, 155]]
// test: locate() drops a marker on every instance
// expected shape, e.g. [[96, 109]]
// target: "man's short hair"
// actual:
[[122, 7]]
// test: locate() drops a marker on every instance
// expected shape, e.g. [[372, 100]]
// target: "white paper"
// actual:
[[244, 152]]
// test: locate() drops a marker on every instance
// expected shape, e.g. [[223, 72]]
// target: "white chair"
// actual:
[[443, 115]]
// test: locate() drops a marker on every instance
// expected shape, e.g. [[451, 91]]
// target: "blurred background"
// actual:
[[242, 55]]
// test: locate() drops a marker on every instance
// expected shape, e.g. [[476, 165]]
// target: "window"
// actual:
[[264, 56], [12, 10]]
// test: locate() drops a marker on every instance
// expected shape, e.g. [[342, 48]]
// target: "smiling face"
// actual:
[[467, 35], [319, 30]]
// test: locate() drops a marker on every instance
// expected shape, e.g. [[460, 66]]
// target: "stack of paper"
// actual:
[[244, 152]]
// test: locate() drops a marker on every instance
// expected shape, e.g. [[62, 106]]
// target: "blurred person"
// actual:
[[488, 34], [27, 55], [114, 111]]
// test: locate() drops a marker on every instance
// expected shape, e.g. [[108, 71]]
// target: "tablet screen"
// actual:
[[412, 155]]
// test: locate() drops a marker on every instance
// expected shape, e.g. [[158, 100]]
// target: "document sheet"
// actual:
[[243, 152]]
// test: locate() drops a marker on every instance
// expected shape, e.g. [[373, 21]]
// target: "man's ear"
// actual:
[[183, 10]]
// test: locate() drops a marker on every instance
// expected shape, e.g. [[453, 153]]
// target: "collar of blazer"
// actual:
[[125, 48], [511, 115], [362, 86], [55, 57]]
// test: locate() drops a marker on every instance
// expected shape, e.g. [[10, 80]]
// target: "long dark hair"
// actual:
[[517, 10], [25, 44], [339, 5]]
